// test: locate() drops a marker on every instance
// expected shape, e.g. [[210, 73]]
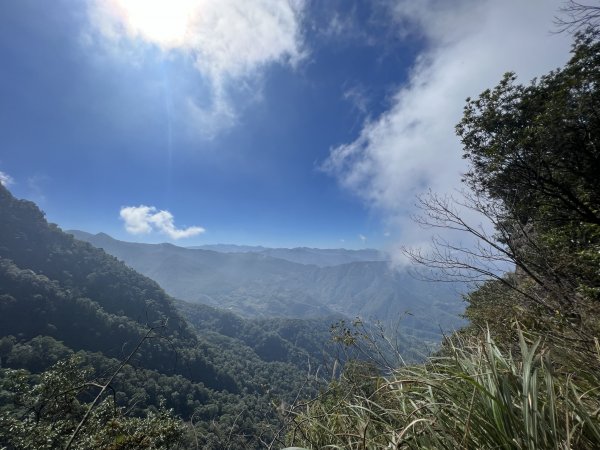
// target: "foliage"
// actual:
[[534, 159], [302, 342], [535, 151], [474, 397], [43, 411]]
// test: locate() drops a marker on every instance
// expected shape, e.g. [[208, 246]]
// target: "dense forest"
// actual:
[[71, 316], [525, 373]]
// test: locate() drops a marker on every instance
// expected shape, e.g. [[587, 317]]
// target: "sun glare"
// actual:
[[163, 22]]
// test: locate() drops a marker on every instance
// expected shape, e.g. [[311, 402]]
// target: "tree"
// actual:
[[535, 148], [44, 412], [534, 159]]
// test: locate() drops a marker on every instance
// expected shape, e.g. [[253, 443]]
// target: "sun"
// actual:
[[162, 22]]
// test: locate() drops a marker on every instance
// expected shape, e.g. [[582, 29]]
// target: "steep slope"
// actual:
[[31, 243], [285, 340], [60, 297]]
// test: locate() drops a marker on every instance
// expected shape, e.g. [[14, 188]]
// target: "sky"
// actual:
[[264, 122]]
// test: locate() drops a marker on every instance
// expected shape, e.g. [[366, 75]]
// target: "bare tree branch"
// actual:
[[577, 16], [490, 256], [149, 335]]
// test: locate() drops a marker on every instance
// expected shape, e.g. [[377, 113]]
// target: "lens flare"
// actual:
[[162, 22]]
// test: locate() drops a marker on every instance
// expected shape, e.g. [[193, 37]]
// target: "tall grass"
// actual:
[[474, 397]]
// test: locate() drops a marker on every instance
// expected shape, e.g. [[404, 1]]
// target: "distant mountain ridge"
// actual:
[[303, 255], [258, 285], [217, 279]]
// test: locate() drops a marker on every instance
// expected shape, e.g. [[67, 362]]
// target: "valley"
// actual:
[[255, 284]]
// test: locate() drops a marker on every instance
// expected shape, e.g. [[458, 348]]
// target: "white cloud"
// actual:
[[6, 179], [145, 219], [358, 97], [363, 238], [229, 42], [412, 146]]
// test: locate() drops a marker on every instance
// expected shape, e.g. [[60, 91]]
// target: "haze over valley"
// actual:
[[271, 283]]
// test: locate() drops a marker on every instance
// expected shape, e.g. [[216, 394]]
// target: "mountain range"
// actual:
[[303, 255], [255, 284]]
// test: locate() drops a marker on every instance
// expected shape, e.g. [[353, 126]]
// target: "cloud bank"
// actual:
[[145, 219], [412, 146], [229, 42], [6, 179]]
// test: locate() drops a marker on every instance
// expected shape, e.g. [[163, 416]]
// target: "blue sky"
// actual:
[[300, 123]]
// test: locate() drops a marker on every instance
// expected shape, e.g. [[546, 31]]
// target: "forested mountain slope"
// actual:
[[61, 297]]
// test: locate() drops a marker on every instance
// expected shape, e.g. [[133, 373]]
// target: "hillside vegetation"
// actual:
[[70, 315], [526, 372]]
